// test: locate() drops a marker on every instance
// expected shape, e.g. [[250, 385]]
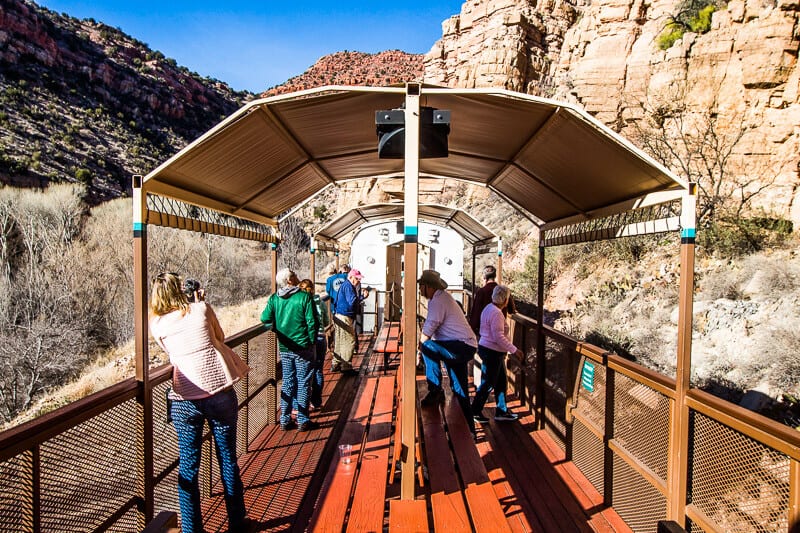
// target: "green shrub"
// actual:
[[83, 175], [702, 22], [735, 237], [693, 15]]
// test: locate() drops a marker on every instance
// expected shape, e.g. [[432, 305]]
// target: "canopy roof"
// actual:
[[472, 231], [549, 159]]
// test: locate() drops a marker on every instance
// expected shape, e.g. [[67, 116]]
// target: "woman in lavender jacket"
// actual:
[[492, 347]]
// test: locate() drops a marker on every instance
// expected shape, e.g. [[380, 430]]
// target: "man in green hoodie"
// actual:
[[290, 314]]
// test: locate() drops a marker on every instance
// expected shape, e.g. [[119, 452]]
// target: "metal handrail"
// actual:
[[29, 437], [763, 432]]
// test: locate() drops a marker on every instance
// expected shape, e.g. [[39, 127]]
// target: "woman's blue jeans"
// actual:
[[493, 377], [188, 416]]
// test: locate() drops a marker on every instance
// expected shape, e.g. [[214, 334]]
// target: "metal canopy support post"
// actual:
[[410, 215], [677, 474], [474, 283], [540, 343], [313, 274], [144, 408], [274, 257], [499, 260]]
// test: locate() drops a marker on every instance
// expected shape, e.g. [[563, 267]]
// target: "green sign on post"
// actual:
[[587, 376]]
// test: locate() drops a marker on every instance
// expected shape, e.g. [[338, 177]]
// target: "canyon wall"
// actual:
[[603, 56]]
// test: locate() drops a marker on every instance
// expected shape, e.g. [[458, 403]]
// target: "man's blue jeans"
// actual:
[[455, 355], [188, 417], [493, 377], [296, 386]]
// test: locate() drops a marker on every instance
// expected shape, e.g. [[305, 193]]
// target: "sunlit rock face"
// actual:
[[604, 57]]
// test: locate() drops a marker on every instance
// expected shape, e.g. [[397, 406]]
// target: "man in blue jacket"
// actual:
[[334, 281], [345, 308]]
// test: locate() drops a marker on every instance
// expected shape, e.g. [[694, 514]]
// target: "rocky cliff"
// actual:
[[604, 56], [355, 68], [81, 101]]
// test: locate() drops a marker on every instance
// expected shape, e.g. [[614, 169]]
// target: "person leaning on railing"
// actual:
[[493, 345], [204, 372], [446, 338], [320, 346]]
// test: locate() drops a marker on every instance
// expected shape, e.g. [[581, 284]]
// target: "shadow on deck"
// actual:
[[284, 472]]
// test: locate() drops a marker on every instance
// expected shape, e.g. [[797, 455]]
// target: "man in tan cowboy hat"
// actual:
[[446, 338]]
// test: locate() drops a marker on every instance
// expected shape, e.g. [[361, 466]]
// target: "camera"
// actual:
[[191, 287]]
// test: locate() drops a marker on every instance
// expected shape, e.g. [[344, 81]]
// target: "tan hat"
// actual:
[[431, 278]]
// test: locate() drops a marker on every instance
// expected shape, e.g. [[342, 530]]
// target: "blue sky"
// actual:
[[256, 45]]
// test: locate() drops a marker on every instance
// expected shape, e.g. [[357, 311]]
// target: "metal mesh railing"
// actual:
[[78, 468], [641, 424], [638, 503], [742, 471], [86, 472], [16, 502], [736, 482], [588, 455], [555, 384]]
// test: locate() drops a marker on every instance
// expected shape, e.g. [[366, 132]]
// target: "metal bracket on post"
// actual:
[[499, 260], [313, 267]]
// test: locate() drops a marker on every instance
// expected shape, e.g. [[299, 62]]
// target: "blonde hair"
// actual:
[[306, 285], [167, 295]]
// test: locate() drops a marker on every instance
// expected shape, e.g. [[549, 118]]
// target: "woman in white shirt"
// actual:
[[492, 347], [204, 371]]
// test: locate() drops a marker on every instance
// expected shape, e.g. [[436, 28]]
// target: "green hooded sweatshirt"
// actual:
[[291, 315]]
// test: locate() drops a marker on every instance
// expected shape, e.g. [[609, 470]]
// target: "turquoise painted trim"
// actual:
[[411, 230], [139, 226], [500, 252], [688, 233]]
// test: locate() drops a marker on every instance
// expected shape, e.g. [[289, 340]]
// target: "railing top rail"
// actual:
[[758, 427], [34, 432], [245, 335]]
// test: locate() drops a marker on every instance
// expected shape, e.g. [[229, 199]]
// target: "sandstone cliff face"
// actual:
[[602, 56]]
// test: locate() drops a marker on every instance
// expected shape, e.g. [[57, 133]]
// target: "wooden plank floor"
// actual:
[[284, 471]]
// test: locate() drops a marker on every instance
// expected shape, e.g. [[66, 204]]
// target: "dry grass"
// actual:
[[745, 322], [118, 363]]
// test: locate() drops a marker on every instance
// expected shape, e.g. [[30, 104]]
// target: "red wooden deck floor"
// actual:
[[283, 471]]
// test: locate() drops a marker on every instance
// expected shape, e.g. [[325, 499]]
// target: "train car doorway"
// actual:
[[394, 276]]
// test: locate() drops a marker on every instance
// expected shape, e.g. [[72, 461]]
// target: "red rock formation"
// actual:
[[356, 68]]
